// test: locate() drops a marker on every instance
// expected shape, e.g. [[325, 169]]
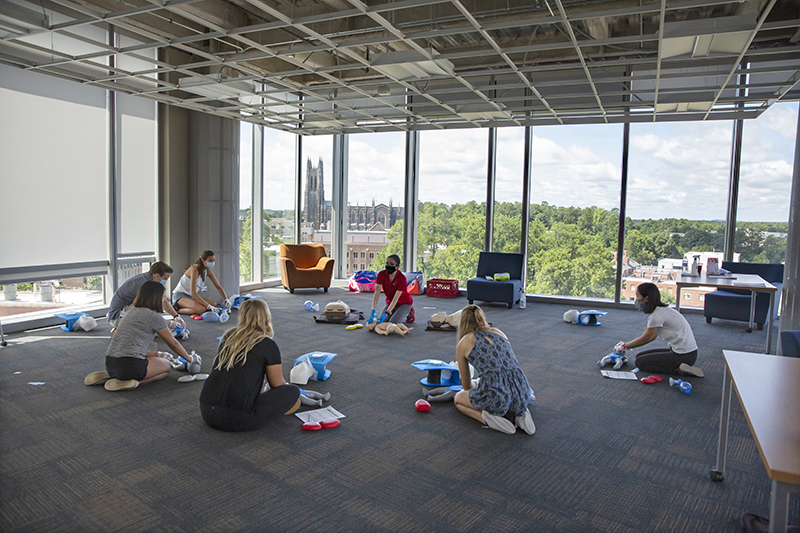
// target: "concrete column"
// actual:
[[790, 298], [214, 195]]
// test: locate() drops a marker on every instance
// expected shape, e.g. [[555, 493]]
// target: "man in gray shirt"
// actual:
[[159, 271]]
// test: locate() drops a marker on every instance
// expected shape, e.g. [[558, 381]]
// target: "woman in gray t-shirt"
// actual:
[[128, 362]]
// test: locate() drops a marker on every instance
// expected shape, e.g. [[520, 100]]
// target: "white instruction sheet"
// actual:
[[614, 374], [318, 415]]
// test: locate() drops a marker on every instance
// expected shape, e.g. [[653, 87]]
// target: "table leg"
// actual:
[[718, 474], [678, 298], [778, 507], [771, 315], [749, 328]]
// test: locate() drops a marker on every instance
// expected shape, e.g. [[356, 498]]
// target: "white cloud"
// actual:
[[675, 169], [279, 169]]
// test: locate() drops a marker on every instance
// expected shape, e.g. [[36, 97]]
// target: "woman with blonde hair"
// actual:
[[501, 397], [189, 296], [247, 360]]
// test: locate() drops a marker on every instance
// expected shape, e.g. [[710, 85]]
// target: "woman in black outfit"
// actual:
[[248, 358]]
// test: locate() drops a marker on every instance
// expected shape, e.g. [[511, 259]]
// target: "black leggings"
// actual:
[[269, 406], [663, 360]]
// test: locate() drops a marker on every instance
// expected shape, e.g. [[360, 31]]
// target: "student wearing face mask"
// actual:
[[123, 298], [680, 355], [398, 301], [189, 297]]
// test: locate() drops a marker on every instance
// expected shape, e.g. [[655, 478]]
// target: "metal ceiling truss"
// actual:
[[318, 67]]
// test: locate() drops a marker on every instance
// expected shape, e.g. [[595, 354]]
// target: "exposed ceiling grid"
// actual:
[[318, 67]]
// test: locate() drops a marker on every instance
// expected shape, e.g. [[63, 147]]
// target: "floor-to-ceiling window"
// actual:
[[676, 202], [316, 178], [508, 190], [54, 184], [279, 198], [452, 203], [375, 200], [765, 183], [574, 214], [245, 202]]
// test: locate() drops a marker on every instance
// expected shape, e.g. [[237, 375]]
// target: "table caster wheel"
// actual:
[[716, 476]]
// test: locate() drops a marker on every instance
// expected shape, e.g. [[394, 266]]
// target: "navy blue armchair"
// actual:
[[734, 304], [790, 343], [489, 264]]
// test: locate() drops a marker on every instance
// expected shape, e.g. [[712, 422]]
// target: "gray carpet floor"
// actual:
[[608, 455]]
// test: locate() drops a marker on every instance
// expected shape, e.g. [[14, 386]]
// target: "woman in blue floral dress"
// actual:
[[500, 398]]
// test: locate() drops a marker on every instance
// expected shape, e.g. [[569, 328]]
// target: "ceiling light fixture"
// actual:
[[412, 65], [218, 87], [707, 37], [20, 20]]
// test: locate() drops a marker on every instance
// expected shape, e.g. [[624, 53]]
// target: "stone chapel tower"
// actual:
[[314, 212]]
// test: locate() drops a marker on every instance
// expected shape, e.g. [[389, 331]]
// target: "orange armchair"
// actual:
[[305, 266]]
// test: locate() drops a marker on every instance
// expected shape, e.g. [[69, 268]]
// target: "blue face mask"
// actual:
[[638, 304], [210, 264], [163, 282]]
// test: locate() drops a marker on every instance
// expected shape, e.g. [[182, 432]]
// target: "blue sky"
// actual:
[[675, 169]]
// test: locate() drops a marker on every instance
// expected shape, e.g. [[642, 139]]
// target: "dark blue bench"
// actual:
[[489, 264]]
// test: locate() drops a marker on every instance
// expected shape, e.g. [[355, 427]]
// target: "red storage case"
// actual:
[[442, 288]]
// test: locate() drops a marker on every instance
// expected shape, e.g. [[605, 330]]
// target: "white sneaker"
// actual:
[[691, 370], [525, 423], [498, 423]]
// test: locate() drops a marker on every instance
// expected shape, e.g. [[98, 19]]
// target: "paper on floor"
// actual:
[[318, 415], [614, 374]]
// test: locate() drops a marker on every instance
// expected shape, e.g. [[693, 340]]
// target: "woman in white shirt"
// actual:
[[665, 322], [189, 297]]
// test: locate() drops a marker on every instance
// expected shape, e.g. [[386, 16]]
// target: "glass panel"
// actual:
[[574, 216], [279, 197], [245, 202], [508, 189], [376, 191], [452, 203], [317, 190], [138, 196], [43, 298], [765, 184], [54, 171], [677, 202]]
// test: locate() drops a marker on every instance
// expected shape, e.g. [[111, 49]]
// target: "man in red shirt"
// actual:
[[398, 301]]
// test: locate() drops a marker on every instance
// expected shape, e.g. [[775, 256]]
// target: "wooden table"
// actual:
[[767, 386], [749, 282]]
